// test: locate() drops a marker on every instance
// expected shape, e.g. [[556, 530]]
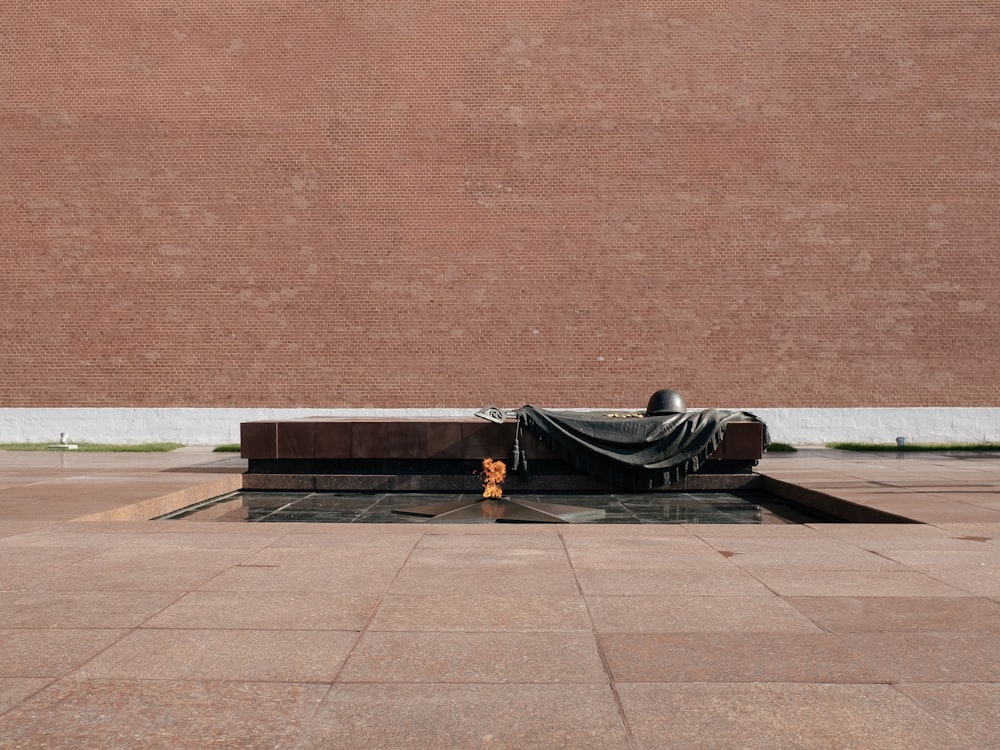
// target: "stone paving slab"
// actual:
[[962, 707], [81, 609], [239, 655], [736, 657], [475, 657], [483, 613], [713, 580], [365, 578], [438, 716], [809, 582], [51, 652], [268, 610], [121, 632], [697, 614], [15, 690], [765, 716], [899, 614], [75, 713], [553, 579], [930, 657]]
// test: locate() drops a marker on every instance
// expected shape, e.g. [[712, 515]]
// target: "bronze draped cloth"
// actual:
[[633, 452]]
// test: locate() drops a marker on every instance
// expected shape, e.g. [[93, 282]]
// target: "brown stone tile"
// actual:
[[160, 715], [465, 612], [742, 441], [475, 657], [898, 614], [268, 610], [14, 690], [487, 440], [389, 440], [734, 657], [712, 581], [930, 657], [332, 440], [696, 614], [444, 440], [259, 440], [852, 583], [970, 709], [241, 655], [771, 716], [444, 717], [48, 652], [80, 609], [296, 439]]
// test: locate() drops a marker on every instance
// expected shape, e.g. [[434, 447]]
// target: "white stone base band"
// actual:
[[196, 426]]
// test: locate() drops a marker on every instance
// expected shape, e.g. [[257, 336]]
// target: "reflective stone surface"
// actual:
[[619, 508]]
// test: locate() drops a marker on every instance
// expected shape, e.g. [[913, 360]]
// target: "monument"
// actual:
[[664, 448]]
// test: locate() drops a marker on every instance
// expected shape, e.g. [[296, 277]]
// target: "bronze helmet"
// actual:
[[665, 401]]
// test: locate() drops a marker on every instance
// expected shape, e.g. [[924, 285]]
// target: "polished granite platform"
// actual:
[[610, 508]]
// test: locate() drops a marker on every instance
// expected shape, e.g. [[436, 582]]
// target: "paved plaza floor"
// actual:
[[119, 632]]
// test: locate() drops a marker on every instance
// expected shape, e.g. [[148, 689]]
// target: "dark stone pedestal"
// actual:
[[444, 455]]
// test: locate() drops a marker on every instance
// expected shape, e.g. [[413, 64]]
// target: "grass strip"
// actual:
[[915, 447], [781, 448], [98, 447]]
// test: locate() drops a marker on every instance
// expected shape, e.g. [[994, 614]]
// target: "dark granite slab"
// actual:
[[420, 455]]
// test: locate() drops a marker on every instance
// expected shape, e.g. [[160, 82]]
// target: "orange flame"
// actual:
[[494, 472]]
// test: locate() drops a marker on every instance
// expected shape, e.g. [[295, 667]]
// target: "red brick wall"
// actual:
[[414, 204]]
